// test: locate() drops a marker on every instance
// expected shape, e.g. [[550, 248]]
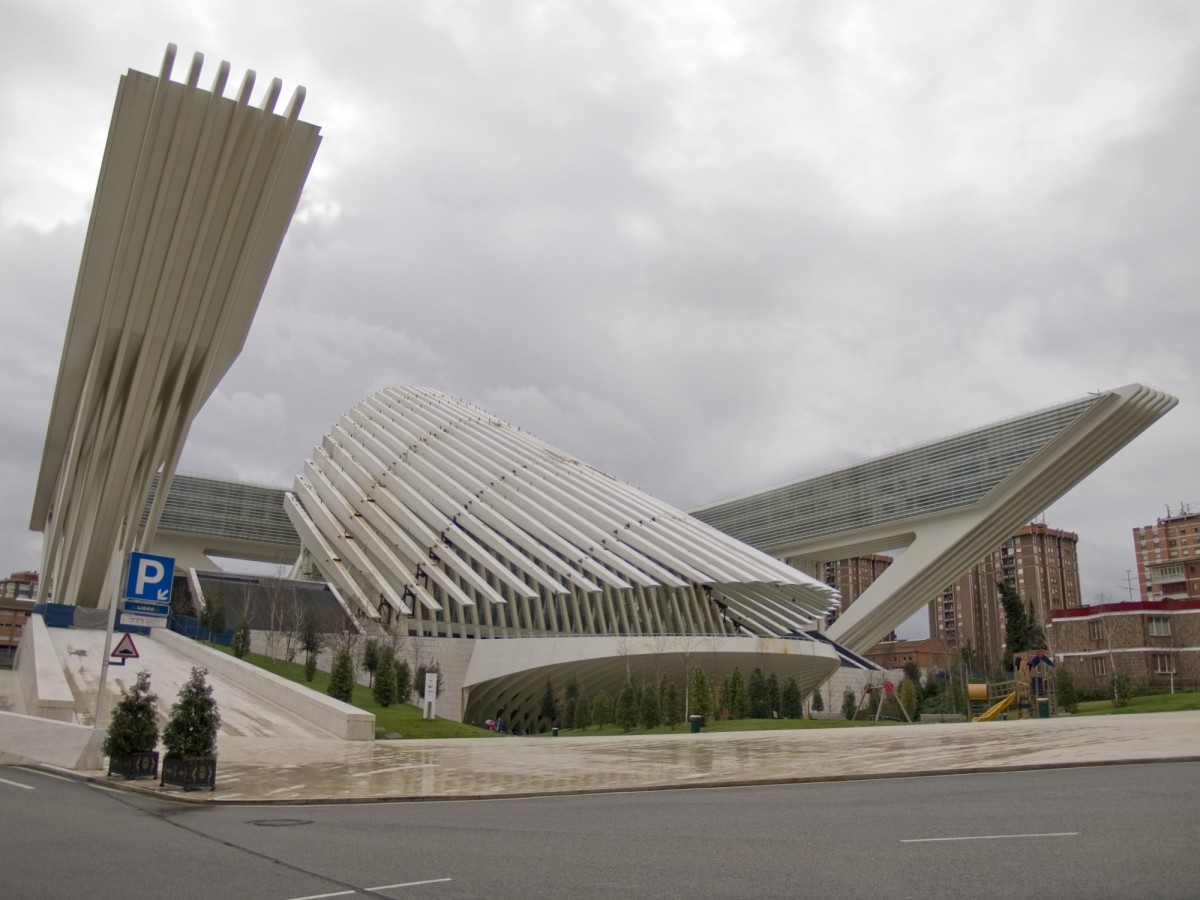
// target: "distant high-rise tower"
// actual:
[[1168, 557], [853, 576], [1042, 563]]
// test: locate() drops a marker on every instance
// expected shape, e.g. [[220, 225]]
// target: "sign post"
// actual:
[[147, 602], [430, 694]]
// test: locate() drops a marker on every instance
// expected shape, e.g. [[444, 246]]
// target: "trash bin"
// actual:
[[1043, 707], [695, 722], [554, 731]]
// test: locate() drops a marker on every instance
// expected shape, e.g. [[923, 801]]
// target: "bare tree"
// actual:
[[686, 646]]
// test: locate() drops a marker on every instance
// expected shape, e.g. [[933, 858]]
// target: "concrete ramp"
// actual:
[[244, 713]]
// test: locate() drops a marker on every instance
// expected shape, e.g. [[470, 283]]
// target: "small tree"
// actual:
[[241, 639], [669, 703], [384, 688], [370, 660], [1122, 689], [738, 702], [310, 643], [758, 703], [700, 699], [192, 727], [310, 667], [341, 676], [773, 695], [133, 727], [849, 704], [602, 709], [625, 710], [1068, 696], [549, 708], [818, 702], [789, 700], [404, 682], [583, 714], [650, 714], [214, 620], [908, 696]]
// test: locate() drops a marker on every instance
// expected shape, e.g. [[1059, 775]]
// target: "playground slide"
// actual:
[[997, 708]]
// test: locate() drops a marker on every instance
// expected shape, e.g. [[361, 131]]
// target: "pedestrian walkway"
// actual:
[[255, 770]]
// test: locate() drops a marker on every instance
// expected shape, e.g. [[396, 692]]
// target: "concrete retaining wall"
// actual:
[[30, 739], [340, 719], [44, 686]]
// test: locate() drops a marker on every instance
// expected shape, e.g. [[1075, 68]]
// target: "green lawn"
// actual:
[[1148, 703], [401, 720]]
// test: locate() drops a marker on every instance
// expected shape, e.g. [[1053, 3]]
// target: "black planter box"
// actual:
[[143, 764], [190, 773]]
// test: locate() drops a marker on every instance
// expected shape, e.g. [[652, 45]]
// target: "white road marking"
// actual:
[[990, 837], [388, 887], [27, 787], [382, 887]]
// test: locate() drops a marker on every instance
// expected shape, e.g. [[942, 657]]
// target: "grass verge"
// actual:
[[401, 720], [1146, 703]]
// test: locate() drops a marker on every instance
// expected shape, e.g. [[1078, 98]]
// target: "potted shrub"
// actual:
[[190, 737], [133, 732]]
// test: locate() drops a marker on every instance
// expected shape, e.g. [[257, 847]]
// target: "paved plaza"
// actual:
[[265, 755]]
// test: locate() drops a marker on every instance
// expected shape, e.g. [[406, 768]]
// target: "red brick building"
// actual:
[[1156, 643], [16, 605], [930, 654], [1168, 557]]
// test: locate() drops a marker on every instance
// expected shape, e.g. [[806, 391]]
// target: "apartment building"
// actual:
[[16, 605], [1042, 563], [1168, 557]]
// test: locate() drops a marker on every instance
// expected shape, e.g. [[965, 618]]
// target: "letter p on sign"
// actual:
[[149, 571], [149, 577]]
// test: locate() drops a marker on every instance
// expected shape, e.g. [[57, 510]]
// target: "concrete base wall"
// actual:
[[340, 719], [44, 686], [28, 740]]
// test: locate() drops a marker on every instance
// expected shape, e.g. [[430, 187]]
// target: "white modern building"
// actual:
[[196, 191], [428, 517]]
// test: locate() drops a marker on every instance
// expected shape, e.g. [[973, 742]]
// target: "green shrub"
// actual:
[[241, 639], [849, 704], [625, 710], [192, 728], [341, 676], [602, 709], [650, 713], [133, 727], [790, 705], [384, 688]]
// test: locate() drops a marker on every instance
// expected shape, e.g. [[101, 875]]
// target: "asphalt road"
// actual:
[[1125, 831]]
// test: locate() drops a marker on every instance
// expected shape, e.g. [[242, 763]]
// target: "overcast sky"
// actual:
[[706, 247]]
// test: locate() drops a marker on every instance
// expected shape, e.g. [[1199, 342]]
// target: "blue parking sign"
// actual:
[[149, 577]]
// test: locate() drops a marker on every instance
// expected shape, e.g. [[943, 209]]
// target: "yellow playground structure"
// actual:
[[1032, 688]]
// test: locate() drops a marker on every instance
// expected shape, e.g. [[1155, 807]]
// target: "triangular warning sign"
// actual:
[[125, 648]]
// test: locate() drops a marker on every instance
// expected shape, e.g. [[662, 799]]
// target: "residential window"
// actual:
[[1164, 664], [1160, 626], [1098, 665], [1095, 630]]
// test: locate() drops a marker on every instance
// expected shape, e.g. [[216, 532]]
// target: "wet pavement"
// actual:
[[256, 770]]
